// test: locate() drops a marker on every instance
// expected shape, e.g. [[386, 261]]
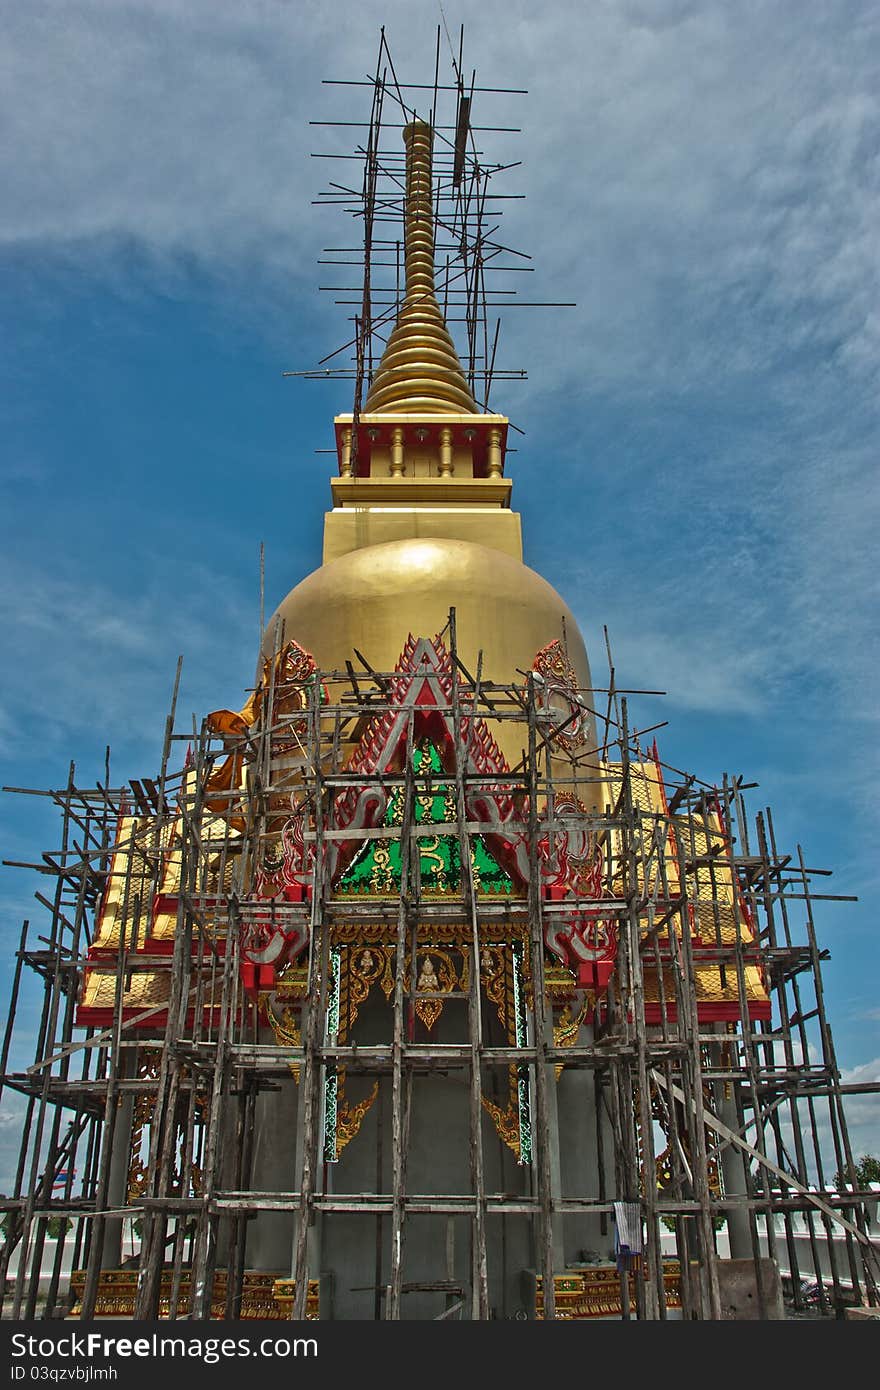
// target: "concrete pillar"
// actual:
[[576, 1103], [553, 1152], [274, 1169], [732, 1163], [117, 1187]]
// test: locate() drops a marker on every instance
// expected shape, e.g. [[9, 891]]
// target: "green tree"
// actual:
[[867, 1171]]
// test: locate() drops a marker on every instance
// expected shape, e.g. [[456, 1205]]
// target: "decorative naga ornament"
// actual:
[[563, 713], [573, 870], [274, 935]]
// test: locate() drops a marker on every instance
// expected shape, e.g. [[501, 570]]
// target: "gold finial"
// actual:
[[419, 371]]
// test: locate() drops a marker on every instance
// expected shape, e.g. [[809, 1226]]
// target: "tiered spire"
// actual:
[[419, 371]]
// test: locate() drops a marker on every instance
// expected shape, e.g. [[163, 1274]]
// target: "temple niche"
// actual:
[[423, 988]]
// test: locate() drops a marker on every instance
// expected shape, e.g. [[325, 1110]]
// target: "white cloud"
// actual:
[[12, 1117], [863, 1111], [714, 163], [81, 661], [864, 1072], [862, 1114]]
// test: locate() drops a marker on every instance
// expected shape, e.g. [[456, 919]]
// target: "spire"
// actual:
[[419, 371]]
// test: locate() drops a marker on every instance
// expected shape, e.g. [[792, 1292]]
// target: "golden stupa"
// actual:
[[354, 1067], [421, 519]]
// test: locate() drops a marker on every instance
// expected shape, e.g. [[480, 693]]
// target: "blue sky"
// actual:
[[698, 469]]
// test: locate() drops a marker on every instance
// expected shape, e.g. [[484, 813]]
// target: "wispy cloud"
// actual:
[[863, 1112], [715, 164], [82, 660], [12, 1115]]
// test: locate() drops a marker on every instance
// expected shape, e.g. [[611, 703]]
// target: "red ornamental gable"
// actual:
[[423, 681]]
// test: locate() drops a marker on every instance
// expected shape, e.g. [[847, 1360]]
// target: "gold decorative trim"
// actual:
[[436, 975], [286, 1029], [143, 1111], [506, 1119], [117, 1293], [565, 1032], [349, 1118], [595, 1292], [367, 492], [370, 933], [283, 1291]]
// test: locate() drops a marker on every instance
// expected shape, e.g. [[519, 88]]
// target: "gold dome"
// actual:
[[375, 597]]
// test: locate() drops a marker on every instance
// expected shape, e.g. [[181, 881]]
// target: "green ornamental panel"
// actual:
[[376, 867]]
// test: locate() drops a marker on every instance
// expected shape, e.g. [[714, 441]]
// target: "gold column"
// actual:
[[345, 461], [493, 454], [397, 452], [446, 452]]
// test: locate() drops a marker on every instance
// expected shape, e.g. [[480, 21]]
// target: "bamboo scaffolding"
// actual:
[[212, 1052]]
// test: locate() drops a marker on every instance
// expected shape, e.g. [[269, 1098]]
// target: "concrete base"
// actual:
[[738, 1288]]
